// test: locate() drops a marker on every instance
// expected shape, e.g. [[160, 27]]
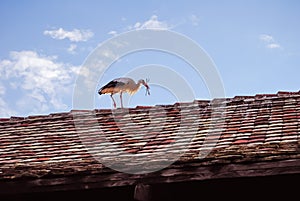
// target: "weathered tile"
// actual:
[[231, 127]]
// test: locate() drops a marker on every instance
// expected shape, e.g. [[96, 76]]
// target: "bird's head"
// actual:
[[145, 83]]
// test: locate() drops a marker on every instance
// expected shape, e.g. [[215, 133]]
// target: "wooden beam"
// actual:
[[142, 192], [174, 173]]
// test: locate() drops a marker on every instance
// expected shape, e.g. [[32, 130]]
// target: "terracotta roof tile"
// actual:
[[264, 125]]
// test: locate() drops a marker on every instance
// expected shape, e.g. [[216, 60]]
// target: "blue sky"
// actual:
[[254, 45]]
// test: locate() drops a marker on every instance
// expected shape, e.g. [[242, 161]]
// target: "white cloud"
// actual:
[[269, 41], [37, 82], [5, 111], [75, 35], [109, 54], [113, 33], [273, 46], [266, 38], [2, 90], [72, 48], [152, 23], [194, 19], [137, 25]]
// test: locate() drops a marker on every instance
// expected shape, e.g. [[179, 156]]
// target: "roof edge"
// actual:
[[234, 100]]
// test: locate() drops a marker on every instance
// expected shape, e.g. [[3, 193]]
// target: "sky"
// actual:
[[254, 46]]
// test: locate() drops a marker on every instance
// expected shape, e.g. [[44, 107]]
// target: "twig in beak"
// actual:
[[147, 91], [147, 87]]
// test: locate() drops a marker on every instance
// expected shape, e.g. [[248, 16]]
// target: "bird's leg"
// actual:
[[121, 99], [115, 105]]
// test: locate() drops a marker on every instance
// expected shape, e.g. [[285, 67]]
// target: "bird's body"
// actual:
[[121, 85]]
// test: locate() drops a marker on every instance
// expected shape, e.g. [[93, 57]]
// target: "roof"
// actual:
[[233, 137]]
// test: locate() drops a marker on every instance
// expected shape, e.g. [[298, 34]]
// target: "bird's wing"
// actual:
[[124, 80], [113, 84]]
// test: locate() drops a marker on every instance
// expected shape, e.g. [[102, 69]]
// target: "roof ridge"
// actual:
[[238, 98]]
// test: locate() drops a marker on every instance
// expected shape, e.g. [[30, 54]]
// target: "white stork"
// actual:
[[120, 85]]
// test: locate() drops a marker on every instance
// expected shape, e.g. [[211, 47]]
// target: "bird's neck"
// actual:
[[136, 87]]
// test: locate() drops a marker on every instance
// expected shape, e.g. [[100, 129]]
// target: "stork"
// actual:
[[121, 85]]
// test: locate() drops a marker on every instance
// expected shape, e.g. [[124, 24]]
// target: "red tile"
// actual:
[[255, 140], [238, 142], [43, 159], [252, 124]]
